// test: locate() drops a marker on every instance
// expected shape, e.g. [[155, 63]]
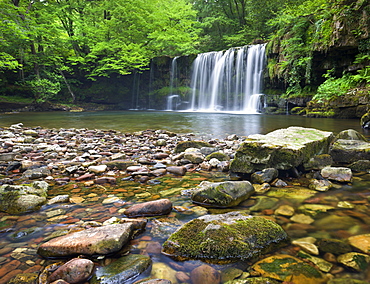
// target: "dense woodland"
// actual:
[[50, 50]]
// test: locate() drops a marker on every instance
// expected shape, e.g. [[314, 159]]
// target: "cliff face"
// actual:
[[314, 44]]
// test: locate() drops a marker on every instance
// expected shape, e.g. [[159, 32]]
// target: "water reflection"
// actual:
[[216, 125]]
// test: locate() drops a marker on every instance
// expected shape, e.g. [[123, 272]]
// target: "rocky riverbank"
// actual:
[[110, 199]]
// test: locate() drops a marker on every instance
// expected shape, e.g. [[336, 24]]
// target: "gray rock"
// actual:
[[123, 270], [360, 166], [222, 194], [194, 155], [6, 157], [349, 151], [101, 240], [232, 236], [282, 149], [266, 175], [36, 173], [340, 174], [318, 162]]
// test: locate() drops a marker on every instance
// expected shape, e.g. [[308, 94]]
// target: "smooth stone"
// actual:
[[320, 185], [74, 271], [340, 174], [302, 219], [24, 278], [150, 208], [161, 270], [222, 194], [307, 245], [289, 268], [101, 240], [59, 199], [154, 281], [205, 274], [361, 242], [314, 209], [285, 210], [334, 222], [177, 170], [230, 273], [124, 270], [98, 169], [264, 202], [354, 260]]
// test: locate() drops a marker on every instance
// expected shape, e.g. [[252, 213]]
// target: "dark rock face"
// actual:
[[225, 237]]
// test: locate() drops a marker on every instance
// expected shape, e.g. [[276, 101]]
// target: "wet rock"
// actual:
[[123, 270], [150, 208], [318, 162], [266, 175], [320, 185], [194, 155], [230, 273], [340, 174], [180, 170], [154, 281], [321, 264], [307, 245], [302, 219], [354, 260], [183, 145], [98, 169], [205, 274], [264, 202], [349, 151], [347, 281], [120, 164], [350, 134], [18, 199], [360, 166], [161, 270], [288, 268], [254, 280], [282, 149], [36, 173], [361, 242], [334, 246], [222, 194], [24, 278], [314, 209], [231, 236], [285, 210], [334, 222], [7, 157], [100, 240], [279, 183], [74, 271], [217, 155]]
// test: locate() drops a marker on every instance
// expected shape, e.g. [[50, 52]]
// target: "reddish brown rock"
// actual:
[[177, 170], [74, 271], [150, 208], [101, 240], [205, 274]]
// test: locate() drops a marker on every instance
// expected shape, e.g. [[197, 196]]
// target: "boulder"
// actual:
[[222, 194], [194, 155], [74, 271], [19, 199], [350, 146], [150, 208], [281, 149], [340, 174], [205, 274], [101, 240], [225, 237], [124, 270]]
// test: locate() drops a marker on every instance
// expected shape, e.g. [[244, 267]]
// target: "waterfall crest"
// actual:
[[228, 80]]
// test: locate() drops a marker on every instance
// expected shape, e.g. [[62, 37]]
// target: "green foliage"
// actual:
[[43, 89], [334, 87]]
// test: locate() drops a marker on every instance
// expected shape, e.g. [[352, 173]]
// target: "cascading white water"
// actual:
[[228, 81], [173, 84]]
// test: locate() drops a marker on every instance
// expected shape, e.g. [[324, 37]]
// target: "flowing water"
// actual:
[[20, 235]]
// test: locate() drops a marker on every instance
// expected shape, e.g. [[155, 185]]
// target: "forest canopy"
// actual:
[[47, 44]]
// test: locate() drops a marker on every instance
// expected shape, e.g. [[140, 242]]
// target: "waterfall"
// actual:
[[173, 85], [228, 80]]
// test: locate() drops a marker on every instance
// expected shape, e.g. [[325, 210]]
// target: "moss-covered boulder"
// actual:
[[349, 147], [20, 199], [288, 268], [225, 237], [282, 149], [222, 194], [182, 146]]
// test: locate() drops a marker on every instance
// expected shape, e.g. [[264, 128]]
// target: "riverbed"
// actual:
[[20, 235]]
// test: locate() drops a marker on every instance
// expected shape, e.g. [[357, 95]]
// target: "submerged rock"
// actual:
[[225, 237], [288, 268], [150, 208], [282, 149], [101, 240], [125, 269], [222, 194], [74, 271]]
